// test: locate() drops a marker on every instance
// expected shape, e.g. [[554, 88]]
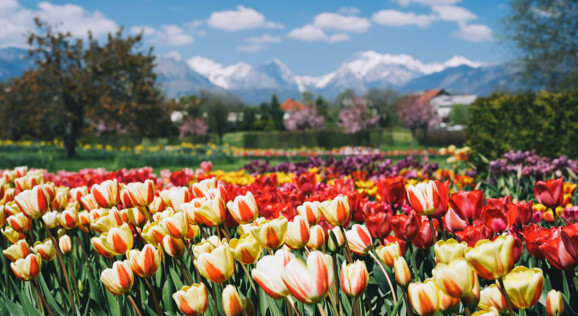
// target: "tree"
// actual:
[[383, 100], [357, 117], [301, 120], [416, 114], [543, 35], [459, 114], [307, 97], [276, 113]]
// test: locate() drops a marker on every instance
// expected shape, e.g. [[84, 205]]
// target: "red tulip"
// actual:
[[391, 190], [378, 224], [452, 222], [472, 234], [518, 248], [444, 198], [556, 252], [468, 205], [534, 237], [406, 227], [305, 182], [549, 193], [500, 203], [519, 214], [495, 219], [424, 238], [570, 239]]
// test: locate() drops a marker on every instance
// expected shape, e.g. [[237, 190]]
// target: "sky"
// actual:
[[312, 37]]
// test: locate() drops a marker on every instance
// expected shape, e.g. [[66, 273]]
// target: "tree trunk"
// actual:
[[70, 145]]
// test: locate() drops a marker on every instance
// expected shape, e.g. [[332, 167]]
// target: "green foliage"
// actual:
[[328, 138], [546, 122], [459, 114], [441, 137]]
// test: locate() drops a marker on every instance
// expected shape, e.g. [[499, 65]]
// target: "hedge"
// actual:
[[546, 122], [442, 137]]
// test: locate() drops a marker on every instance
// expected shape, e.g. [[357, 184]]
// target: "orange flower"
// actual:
[[354, 278], [270, 233], [310, 211], [359, 240], [106, 194], [20, 222], [33, 203], [17, 251], [388, 253], [492, 259], [316, 238], [268, 273], [554, 303], [309, 283], [138, 194], [173, 247], [297, 233], [233, 305], [336, 211], [144, 263], [119, 279], [192, 300], [45, 249], [424, 297], [244, 208], [27, 268], [217, 265]]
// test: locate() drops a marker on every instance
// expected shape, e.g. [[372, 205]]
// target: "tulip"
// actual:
[[270, 233], [233, 305], [2, 215], [491, 297], [467, 205], [424, 297], [297, 233], [354, 278], [61, 199], [118, 279], [206, 246], [378, 224], [495, 219], [406, 227], [524, 286], [20, 222], [106, 194], [51, 219], [78, 192], [424, 198], [176, 225], [402, 273], [27, 182], [309, 283], [456, 279], [569, 236], [443, 189], [359, 240], [138, 194], [107, 221], [211, 213], [316, 238], [519, 214], [388, 253], [192, 300], [549, 193], [452, 222], [8, 196], [472, 299], [136, 216], [12, 236], [173, 247], [18, 250], [193, 232], [492, 259], [448, 250], [101, 247], [424, 238], [336, 211], [268, 273], [33, 203], [157, 205], [119, 239], [65, 244], [305, 182], [246, 249], [27, 268], [554, 303], [335, 239], [89, 202], [391, 190], [448, 303], [244, 208], [472, 234], [144, 263], [45, 249], [154, 233], [68, 218], [198, 189], [175, 197], [217, 265], [556, 252], [310, 211]]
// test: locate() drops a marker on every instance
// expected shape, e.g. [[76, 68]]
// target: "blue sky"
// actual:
[[311, 37]]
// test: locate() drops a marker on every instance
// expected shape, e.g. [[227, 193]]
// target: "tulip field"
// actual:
[[357, 235]]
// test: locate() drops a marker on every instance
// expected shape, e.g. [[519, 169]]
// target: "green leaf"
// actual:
[[13, 308], [26, 303], [168, 290], [176, 279], [113, 304], [49, 297]]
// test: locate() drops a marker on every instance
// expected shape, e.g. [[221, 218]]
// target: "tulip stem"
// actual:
[[321, 311], [444, 235], [467, 311], [60, 287], [368, 304], [335, 282], [215, 299], [249, 277], [184, 271], [355, 306], [432, 229], [347, 250], [62, 266], [42, 299], [226, 233], [292, 303], [413, 262], [133, 304], [508, 302], [408, 306], [386, 276], [75, 282], [151, 289], [84, 253]]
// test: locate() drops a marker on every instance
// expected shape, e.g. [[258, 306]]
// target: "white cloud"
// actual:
[[453, 13], [193, 25], [253, 48], [174, 36], [349, 10], [427, 2], [273, 25], [265, 38], [310, 33], [398, 18], [240, 19], [334, 21], [474, 32], [174, 55], [146, 30]]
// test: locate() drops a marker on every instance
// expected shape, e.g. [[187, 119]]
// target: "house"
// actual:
[[292, 105], [442, 101]]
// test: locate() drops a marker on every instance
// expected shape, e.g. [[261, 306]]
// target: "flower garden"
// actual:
[[356, 234]]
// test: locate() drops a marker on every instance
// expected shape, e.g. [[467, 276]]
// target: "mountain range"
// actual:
[[360, 72]]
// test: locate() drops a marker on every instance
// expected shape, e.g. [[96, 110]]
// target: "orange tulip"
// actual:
[[354, 278], [244, 208], [78, 192], [101, 247], [2, 214], [20, 222], [309, 283], [89, 202], [119, 279], [491, 297], [61, 199], [144, 263], [198, 189], [233, 305], [402, 273], [173, 247], [138, 194], [316, 238], [119, 239], [311, 211], [424, 297], [33, 203], [217, 265], [192, 300], [27, 268], [246, 249], [268, 273], [456, 279], [176, 225], [68, 218], [492, 259], [65, 244], [175, 197], [554, 303], [107, 221], [336, 211], [359, 240], [45, 249], [154, 233], [211, 213], [106, 194], [388, 253], [17, 251], [424, 197], [297, 233], [270, 233]]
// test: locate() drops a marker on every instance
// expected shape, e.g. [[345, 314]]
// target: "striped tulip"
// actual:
[[448, 250], [33, 203], [119, 239], [192, 300], [137, 216], [17, 251], [335, 239], [448, 303], [11, 235], [8, 196], [45, 249], [157, 205], [246, 249], [89, 202], [491, 297], [554, 303], [106, 194], [359, 240], [173, 247], [456, 279], [354, 278], [68, 218], [336, 211], [51, 219], [270, 233], [309, 283], [2, 215], [154, 233], [233, 305], [138, 194], [211, 213], [316, 238], [193, 232], [244, 208], [388, 253], [311, 211], [78, 192], [524, 286], [11, 208], [144, 263], [424, 197], [206, 245], [101, 247], [20, 222], [176, 225], [492, 259], [198, 189], [118, 279], [297, 233], [217, 265], [28, 182], [402, 273], [61, 199], [268, 273], [107, 220], [27, 268], [424, 297], [175, 197], [65, 244]]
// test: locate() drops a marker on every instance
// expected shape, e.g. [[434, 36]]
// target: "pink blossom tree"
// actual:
[[357, 117], [416, 114], [300, 120], [193, 127]]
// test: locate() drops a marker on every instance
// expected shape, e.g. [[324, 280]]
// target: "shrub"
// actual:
[[459, 114], [442, 137]]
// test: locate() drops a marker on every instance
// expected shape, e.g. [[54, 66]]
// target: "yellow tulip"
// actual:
[[402, 273], [424, 297], [176, 225], [448, 250], [217, 265], [173, 247], [524, 286], [27, 268], [310, 211], [297, 233], [491, 297], [388, 253], [270, 233], [119, 279], [354, 278], [65, 244], [144, 263], [246, 249], [336, 211], [17, 251], [244, 208], [206, 245], [554, 303], [268, 273], [492, 259], [316, 238], [233, 305], [192, 300], [456, 279], [45, 249]]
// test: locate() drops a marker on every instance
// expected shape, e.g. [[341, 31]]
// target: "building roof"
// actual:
[[430, 94], [292, 105]]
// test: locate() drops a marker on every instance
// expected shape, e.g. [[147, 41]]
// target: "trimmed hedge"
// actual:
[[546, 122], [442, 137], [317, 138]]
